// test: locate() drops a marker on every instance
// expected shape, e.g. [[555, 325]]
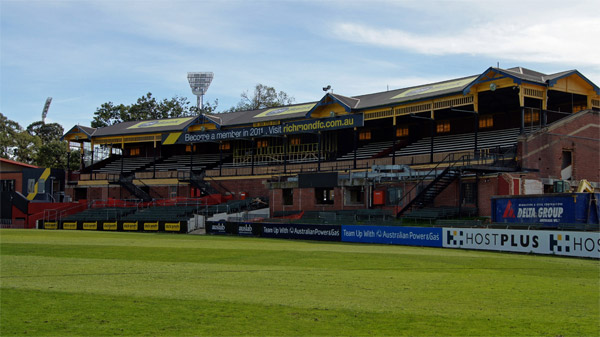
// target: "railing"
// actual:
[[431, 175]]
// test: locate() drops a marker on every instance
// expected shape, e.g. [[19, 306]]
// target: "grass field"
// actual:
[[66, 283]]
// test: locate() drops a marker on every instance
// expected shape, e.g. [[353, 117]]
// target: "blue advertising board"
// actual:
[[407, 236], [546, 209], [302, 232]]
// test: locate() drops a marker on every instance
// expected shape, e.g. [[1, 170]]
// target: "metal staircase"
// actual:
[[197, 180], [424, 193], [127, 182]]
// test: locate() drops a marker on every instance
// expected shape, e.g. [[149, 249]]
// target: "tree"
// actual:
[[8, 130], [52, 154], [264, 97], [146, 107], [208, 108], [26, 147], [108, 114], [47, 132]]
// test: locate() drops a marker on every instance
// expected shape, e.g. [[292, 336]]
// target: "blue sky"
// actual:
[[85, 53]]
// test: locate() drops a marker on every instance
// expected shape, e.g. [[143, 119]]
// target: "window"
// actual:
[[134, 151], [364, 135], [188, 148], [7, 185], [324, 196], [566, 167], [532, 116], [261, 143], [225, 146], [30, 185], [443, 126], [288, 196], [401, 132], [393, 195], [468, 193], [294, 140], [355, 195], [486, 122]]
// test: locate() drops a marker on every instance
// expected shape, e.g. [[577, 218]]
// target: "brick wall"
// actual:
[[577, 134]]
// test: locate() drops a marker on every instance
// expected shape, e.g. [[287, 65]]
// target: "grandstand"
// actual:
[[451, 144]]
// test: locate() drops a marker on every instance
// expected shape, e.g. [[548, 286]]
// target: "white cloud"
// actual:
[[560, 41]]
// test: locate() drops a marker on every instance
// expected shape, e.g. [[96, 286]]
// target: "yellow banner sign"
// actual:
[[130, 226], [286, 110], [160, 123], [172, 227], [51, 225], [90, 225], [110, 226], [151, 226], [429, 89], [70, 225]]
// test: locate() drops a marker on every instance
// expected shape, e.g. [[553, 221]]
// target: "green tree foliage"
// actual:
[[145, 108], [39, 144], [8, 130], [263, 97], [47, 132], [16, 143]]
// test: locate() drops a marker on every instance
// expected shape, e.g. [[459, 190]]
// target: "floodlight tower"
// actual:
[[45, 111], [199, 82]]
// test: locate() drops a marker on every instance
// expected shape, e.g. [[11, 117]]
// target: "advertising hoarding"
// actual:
[[580, 244], [407, 236]]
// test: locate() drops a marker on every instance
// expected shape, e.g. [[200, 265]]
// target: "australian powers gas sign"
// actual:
[[545, 209]]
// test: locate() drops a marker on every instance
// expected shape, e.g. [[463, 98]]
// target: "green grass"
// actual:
[[70, 283]]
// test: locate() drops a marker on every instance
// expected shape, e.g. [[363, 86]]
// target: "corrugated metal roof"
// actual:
[[141, 127], [354, 104]]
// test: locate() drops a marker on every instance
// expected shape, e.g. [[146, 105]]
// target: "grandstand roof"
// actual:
[[354, 104], [295, 111], [147, 126]]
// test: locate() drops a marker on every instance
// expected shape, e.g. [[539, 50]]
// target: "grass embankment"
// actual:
[[60, 283]]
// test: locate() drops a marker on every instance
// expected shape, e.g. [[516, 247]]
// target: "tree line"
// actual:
[[39, 143]]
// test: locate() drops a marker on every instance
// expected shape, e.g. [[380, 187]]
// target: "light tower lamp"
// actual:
[[199, 82]]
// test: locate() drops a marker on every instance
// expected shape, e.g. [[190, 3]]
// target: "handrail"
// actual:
[[434, 169]]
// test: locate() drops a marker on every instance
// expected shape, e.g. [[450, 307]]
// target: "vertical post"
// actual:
[[92, 163], [191, 160], [252, 156], [431, 143], [285, 153], [221, 158], [394, 130], [355, 145], [476, 132], [319, 152], [154, 160], [522, 127], [460, 194], [68, 158], [81, 149], [476, 192]]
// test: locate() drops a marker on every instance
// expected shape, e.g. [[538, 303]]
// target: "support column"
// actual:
[[319, 152], [285, 153], [221, 158], [394, 130], [92, 163], [431, 143], [191, 161], [355, 145], [252, 156], [475, 153], [522, 127], [460, 194], [154, 160]]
